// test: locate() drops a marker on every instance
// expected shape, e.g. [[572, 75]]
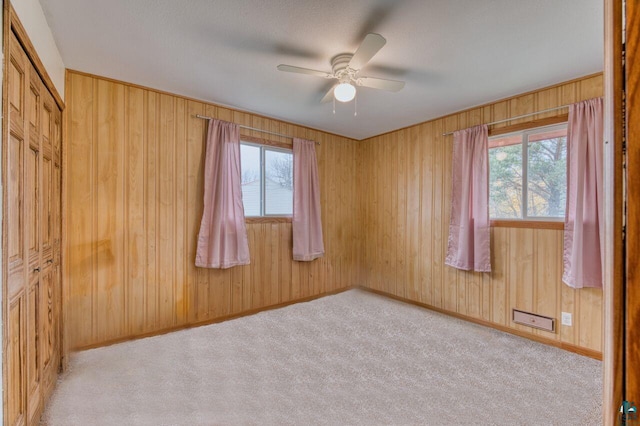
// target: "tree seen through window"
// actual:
[[544, 176]]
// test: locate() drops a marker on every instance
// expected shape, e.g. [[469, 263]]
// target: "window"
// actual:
[[528, 174], [267, 180]]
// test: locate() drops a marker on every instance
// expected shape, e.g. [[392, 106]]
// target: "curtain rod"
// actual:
[[519, 116], [204, 117]]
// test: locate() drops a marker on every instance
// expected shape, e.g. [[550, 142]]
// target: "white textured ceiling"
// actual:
[[453, 54]]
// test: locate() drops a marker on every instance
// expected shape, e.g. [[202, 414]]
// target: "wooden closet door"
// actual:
[[33, 211], [32, 164], [18, 82], [33, 191], [47, 217]]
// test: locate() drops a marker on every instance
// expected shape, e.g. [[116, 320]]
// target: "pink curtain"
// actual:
[[584, 220], [307, 223], [469, 228], [222, 242]]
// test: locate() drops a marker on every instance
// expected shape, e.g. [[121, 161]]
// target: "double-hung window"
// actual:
[[267, 180], [528, 174]]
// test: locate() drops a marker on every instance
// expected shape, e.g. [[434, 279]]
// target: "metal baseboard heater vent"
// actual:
[[535, 321]]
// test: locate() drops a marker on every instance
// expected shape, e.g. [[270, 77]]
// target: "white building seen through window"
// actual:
[[267, 180]]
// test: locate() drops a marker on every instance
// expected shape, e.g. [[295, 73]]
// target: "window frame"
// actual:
[[526, 221], [266, 145]]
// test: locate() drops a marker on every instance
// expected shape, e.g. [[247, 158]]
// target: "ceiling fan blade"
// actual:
[[381, 83], [329, 96], [291, 68], [371, 44]]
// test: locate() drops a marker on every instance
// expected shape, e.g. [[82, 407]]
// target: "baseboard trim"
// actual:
[[566, 346], [210, 321]]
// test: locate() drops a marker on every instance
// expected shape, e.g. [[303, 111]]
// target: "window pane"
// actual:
[[278, 183], [505, 181], [250, 166], [547, 174]]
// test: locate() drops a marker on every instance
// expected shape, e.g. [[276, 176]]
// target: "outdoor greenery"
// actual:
[[505, 182], [547, 179], [547, 190]]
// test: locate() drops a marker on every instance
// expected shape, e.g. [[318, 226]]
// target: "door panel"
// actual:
[[46, 214], [34, 106], [46, 309], [34, 110], [47, 123], [15, 216], [57, 135], [48, 333], [15, 370], [15, 176], [56, 221], [17, 84], [33, 365], [32, 183]]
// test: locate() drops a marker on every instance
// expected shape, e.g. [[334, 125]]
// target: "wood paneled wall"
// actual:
[[134, 197], [404, 185]]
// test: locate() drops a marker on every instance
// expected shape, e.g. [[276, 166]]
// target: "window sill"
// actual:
[[268, 219], [531, 224]]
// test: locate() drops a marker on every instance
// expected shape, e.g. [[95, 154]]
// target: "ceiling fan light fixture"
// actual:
[[344, 92], [346, 69]]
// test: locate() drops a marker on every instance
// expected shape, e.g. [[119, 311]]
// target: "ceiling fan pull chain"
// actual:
[[334, 105]]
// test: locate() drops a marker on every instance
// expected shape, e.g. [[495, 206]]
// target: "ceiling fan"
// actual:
[[346, 69]]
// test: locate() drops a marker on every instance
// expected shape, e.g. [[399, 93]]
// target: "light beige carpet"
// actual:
[[350, 359]]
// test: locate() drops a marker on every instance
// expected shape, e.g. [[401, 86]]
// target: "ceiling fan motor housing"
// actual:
[[340, 67]]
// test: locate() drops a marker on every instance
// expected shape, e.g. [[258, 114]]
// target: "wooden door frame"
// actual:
[[615, 294], [632, 132], [6, 31]]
